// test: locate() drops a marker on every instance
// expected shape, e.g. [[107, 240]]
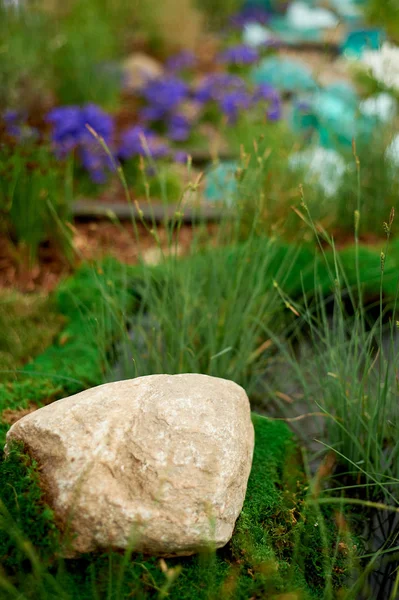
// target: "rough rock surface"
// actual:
[[161, 461]]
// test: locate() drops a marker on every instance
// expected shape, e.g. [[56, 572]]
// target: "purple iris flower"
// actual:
[[178, 128], [99, 121], [70, 133], [96, 162], [67, 128], [232, 102], [182, 60], [165, 95], [239, 55], [139, 141]]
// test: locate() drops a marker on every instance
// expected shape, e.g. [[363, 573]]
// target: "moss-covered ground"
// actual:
[[261, 560], [283, 548], [28, 325]]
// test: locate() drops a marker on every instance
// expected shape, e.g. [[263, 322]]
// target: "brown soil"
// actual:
[[92, 241]]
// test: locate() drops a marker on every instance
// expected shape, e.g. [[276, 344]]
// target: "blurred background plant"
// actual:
[[385, 14], [28, 325], [218, 12], [35, 195]]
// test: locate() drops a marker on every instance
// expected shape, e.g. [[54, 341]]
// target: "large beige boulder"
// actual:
[[160, 461]]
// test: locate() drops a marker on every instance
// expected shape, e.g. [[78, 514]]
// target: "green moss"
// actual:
[[257, 563], [27, 523], [28, 325]]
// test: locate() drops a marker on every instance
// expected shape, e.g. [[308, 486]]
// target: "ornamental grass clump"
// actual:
[[343, 362]]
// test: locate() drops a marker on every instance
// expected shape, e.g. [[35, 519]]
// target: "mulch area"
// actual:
[[92, 241]]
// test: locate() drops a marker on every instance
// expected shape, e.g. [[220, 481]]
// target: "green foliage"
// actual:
[[385, 14], [346, 368], [210, 312], [34, 197], [28, 324], [376, 184], [61, 49], [164, 186], [205, 313], [86, 40], [217, 12], [269, 189], [24, 76], [26, 522]]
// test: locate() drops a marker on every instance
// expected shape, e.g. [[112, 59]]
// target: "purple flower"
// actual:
[[16, 126], [164, 95], [250, 14], [178, 128], [67, 128], [69, 125], [152, 113], [96, 161], [266, 92], [181, 157], [239, 55], [12, 120], [214, 87], [274, 112], [70, 133], [182, 60], [139, 141], [228, 91], [232, 102], [98, 120]]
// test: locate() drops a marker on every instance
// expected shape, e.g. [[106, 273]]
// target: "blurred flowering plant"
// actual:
[[232, 95], [239, 55], [213, 87], [268, 94], [181, 61], [15, 125], [70, 132], [250, 14], [164, 100], [382, 65], [34, 189], [139, 141]]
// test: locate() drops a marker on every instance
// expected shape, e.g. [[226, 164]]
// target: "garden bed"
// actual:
[[215, 199]]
